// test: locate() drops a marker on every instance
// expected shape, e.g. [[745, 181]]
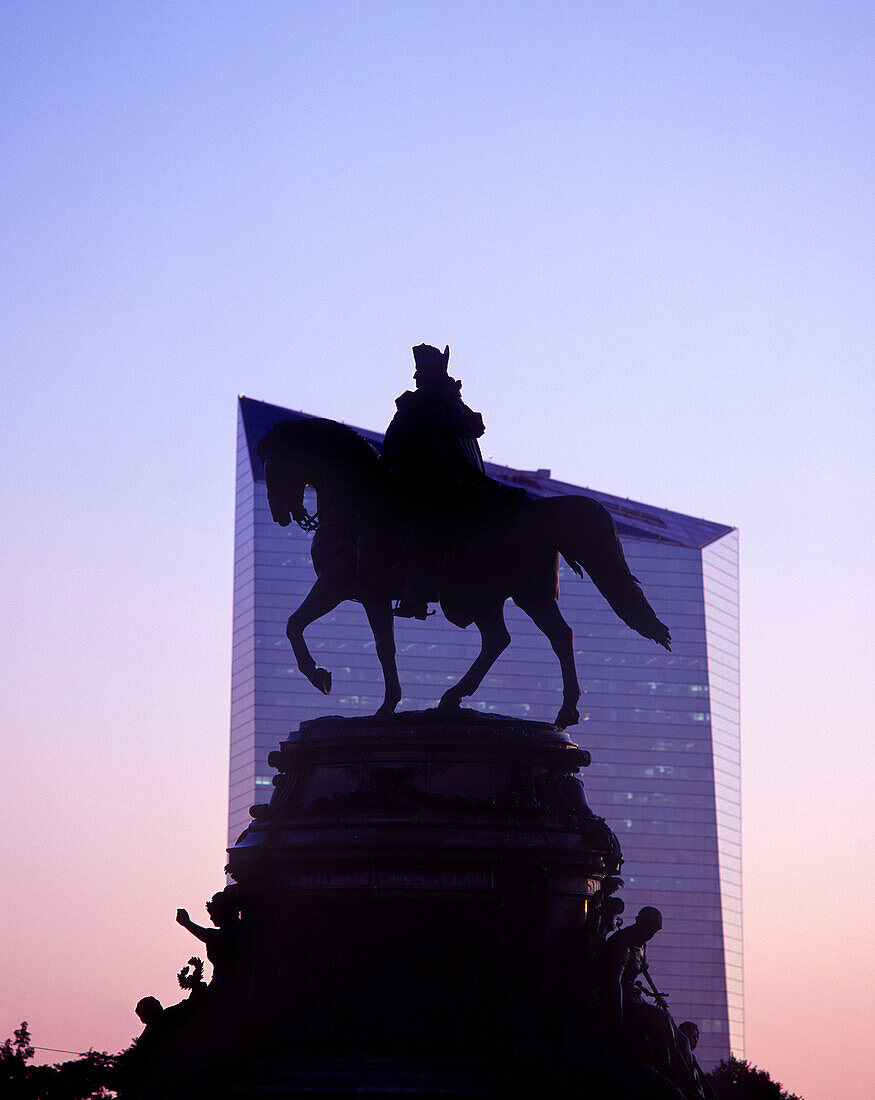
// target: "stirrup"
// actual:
[[414, 609]]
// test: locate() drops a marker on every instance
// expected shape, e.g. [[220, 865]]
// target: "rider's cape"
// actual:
[[431, 446]]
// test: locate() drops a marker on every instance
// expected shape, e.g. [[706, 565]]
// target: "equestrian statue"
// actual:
[[421, 522]]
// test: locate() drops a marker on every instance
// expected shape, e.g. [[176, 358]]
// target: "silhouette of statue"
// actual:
[[690, 1032], [687, 1039], [431, 449], [223, 910], [601, 920], [610, 913], [191, 977], [361, 546], [149, 1010], [160, 1026], [610, 908], [691, 1075], [622, 961], [647, 1030]]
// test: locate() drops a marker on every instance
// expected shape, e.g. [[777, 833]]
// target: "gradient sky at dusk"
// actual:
[[645, 229]]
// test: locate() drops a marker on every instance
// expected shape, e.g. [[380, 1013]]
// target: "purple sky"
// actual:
[[646, 232]]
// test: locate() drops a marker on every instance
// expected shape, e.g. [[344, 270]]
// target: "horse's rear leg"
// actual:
[[548, 618], [494, 640], [379, 613], [322, 598]]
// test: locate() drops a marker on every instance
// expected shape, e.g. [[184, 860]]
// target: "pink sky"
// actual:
[[645, 230]]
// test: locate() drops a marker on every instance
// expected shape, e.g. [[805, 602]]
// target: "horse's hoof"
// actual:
[[450, 702], [386, 710], [567, 716], [321, 680]]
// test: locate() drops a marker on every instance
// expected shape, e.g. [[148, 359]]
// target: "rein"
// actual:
[[308, 522]]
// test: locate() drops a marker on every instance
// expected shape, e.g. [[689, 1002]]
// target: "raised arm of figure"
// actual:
[[188, 924]]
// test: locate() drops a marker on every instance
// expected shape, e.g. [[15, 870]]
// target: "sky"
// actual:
[[644, 229]]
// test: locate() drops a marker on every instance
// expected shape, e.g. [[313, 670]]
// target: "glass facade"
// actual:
[[663, 728]]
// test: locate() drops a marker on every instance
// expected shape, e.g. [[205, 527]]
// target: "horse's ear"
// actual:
[[446, 355]]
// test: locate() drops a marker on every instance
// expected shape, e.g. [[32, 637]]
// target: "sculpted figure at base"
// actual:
[[622, 961], [361, 548], [191, 977], [166, 1040], [224, 911], [687, 1038], [645, 1029]]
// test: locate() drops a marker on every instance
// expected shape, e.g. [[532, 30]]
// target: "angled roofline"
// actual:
[[632, 518]]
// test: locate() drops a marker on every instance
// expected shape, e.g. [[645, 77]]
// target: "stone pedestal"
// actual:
[[412, 892]]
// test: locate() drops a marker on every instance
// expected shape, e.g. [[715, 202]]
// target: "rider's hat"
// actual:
[[431, 361]]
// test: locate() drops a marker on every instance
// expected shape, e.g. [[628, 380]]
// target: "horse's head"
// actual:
[[283, 500], [284, 475], [331, 457]]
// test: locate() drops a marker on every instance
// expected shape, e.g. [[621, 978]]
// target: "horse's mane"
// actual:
[[321, 436]]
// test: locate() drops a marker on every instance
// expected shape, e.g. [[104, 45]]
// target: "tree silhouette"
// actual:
[[739, 1080], [90, 1077], [14, 1071]]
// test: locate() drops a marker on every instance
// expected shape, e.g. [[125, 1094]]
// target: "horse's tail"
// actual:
[[588, 541]]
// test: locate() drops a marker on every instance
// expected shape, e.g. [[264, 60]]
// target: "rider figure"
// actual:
[[431, 448]]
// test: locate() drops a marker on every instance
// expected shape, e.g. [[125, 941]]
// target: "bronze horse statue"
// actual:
[[513, 552]]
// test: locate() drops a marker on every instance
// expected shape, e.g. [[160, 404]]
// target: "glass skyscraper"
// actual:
[[663, 728]]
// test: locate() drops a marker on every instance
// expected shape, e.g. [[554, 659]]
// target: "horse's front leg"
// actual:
[[379, 613], [323, 597], [548, 618], [494, 640]]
